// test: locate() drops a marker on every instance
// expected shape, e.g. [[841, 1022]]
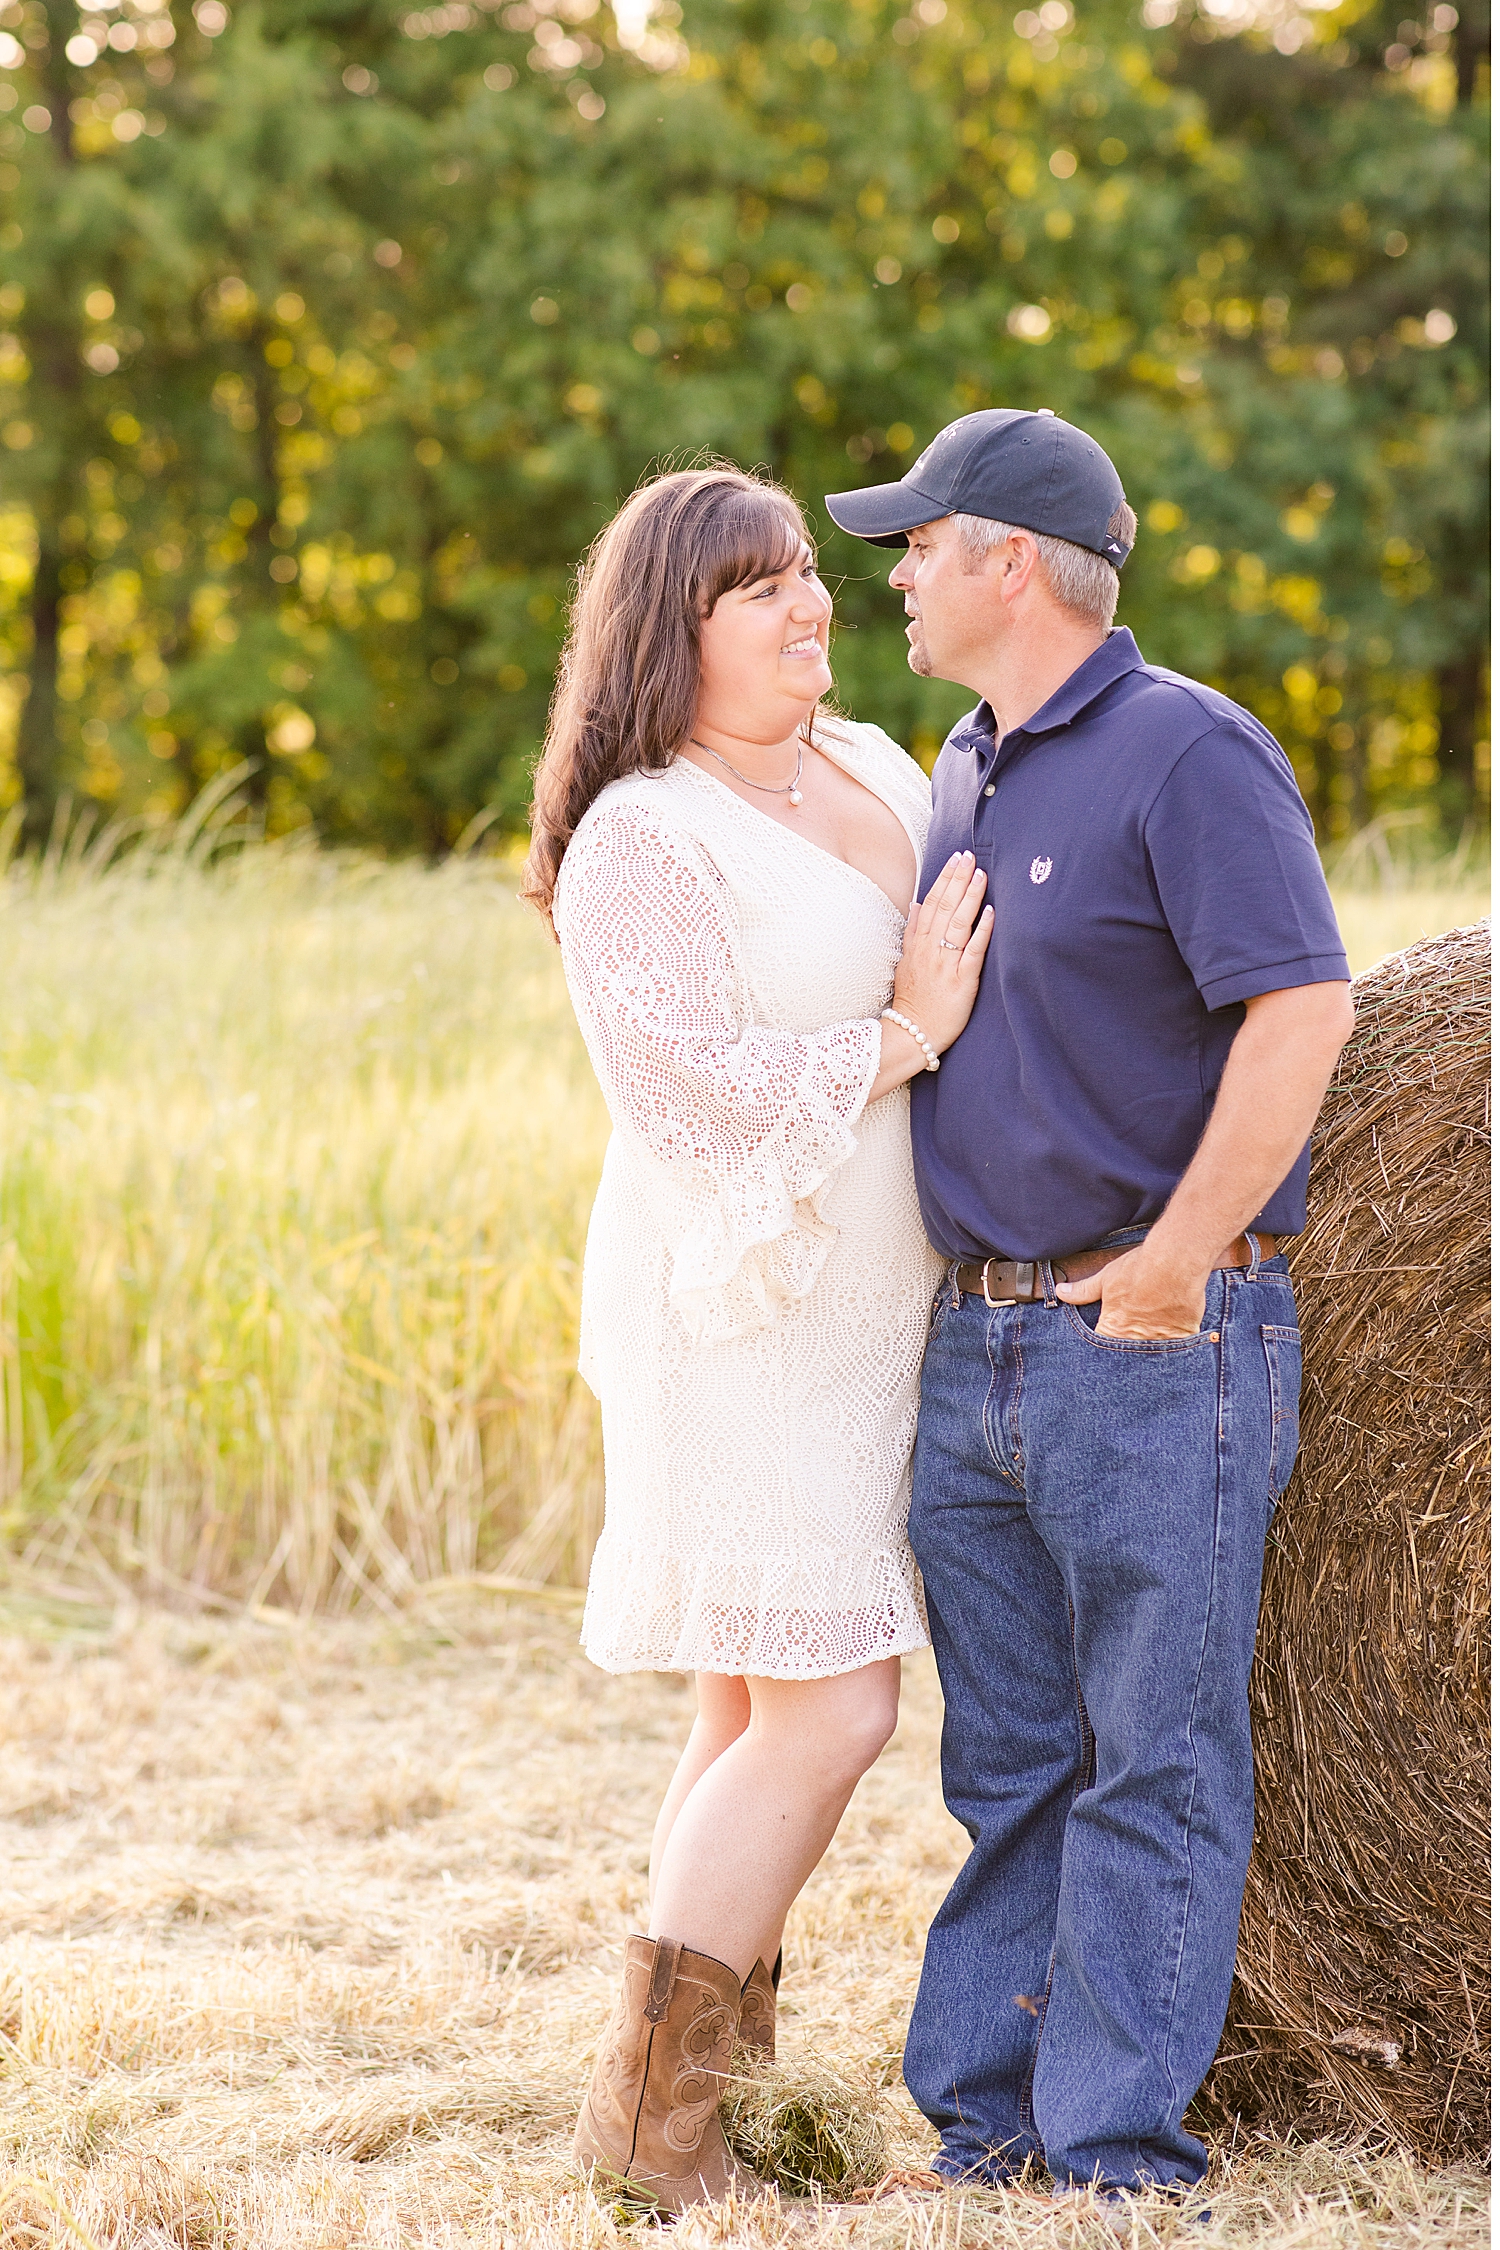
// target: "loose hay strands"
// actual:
[[806, 2128], [1362, 1980], [382, 2120], [240, 2011]]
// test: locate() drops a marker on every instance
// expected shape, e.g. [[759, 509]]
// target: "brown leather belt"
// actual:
[[1018, 1281]]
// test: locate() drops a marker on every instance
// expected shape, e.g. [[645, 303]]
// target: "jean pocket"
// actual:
[[1136, 1346], [942, 1305], [1284, 1362]]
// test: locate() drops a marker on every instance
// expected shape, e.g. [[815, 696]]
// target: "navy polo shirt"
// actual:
[[1152, 867]]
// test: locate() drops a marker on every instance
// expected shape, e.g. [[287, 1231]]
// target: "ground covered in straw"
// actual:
[[310, 1931]]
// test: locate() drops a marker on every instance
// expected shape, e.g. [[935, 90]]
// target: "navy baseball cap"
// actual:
[[1028, 469]]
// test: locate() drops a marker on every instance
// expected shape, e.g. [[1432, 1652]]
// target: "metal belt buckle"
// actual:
[[994, 1303], [1025, 1272]]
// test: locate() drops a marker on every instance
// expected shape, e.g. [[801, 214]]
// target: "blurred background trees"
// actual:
[[332, 330]]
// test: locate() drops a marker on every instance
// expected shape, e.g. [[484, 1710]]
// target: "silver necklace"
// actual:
[[787, 789]]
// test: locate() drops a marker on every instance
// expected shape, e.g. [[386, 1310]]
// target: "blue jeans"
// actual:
[[1090, 1517]]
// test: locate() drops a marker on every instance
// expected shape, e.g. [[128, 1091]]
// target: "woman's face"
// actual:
[[765, 653]]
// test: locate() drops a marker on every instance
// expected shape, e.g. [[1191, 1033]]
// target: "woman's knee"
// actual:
[[872, 1720], [723, 1708], [839, 1726]]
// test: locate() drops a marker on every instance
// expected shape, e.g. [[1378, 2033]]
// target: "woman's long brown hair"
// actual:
[[627, 687]]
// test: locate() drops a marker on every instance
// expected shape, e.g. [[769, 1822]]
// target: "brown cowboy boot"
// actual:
[[651, 2118], [758, 2011]]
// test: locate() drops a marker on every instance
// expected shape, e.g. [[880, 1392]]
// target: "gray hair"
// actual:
[[1076, 577]]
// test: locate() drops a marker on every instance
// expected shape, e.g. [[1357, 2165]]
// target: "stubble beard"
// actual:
[[917, 656]]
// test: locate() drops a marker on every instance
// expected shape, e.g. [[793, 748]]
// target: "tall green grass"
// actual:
[[296, 1156], [1393, 883]]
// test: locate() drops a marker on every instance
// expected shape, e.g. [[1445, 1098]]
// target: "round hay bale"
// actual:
[[1361, 1986]]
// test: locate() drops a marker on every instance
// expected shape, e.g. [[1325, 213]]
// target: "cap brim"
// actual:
[[884, 513]]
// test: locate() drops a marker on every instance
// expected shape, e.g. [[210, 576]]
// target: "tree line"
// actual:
[[332, 330]]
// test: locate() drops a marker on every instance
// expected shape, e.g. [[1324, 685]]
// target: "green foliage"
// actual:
[[335, 331]]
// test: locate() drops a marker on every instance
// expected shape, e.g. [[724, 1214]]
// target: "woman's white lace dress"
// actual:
[[757, 1281]]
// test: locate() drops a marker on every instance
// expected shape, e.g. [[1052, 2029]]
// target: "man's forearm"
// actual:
[[1274, 1081], [1274, 1078]]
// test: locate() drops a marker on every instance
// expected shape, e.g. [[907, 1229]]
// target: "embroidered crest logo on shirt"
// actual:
[[1040, 870]]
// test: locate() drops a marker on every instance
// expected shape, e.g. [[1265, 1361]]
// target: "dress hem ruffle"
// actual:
[[619, 1665], [823, 1615]]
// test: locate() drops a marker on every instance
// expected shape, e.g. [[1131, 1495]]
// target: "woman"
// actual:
[[728, 872]]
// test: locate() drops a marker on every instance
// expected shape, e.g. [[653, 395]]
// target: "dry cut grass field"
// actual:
[[310, 1929]]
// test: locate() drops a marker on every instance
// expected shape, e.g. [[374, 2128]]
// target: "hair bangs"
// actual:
[[751, 534]]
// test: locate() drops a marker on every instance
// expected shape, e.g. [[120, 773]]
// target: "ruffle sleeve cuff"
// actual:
[[760, 1239]]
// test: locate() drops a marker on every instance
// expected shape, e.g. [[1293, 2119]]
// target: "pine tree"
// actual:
[[1355, 179]]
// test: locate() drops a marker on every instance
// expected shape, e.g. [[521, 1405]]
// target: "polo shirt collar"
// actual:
[[1110, 662]]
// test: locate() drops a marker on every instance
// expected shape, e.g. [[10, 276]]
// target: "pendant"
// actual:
[[794, 796]]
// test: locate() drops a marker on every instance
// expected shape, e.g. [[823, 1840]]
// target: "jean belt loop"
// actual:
[[1048, 1281], [955, 1294], [1254, 1241]]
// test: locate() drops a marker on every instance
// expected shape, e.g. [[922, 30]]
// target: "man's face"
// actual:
[[955, 611]]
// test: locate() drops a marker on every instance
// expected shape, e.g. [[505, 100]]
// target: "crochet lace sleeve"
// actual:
[[748, 1122]]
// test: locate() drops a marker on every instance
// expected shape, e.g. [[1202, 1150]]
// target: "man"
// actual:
[[1109, 1402]]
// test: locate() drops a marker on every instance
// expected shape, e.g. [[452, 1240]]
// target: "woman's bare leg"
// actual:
[[759, 1817], [723, 1715]]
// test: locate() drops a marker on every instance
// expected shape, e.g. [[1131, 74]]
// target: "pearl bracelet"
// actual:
[[917, 1033]]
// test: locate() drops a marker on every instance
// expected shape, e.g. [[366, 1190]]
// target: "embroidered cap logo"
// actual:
[[1040, 870]]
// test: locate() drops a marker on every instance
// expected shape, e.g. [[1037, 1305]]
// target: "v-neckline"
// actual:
[[821, 849]]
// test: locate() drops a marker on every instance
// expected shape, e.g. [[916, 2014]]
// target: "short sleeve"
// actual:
[[1236, 867]]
